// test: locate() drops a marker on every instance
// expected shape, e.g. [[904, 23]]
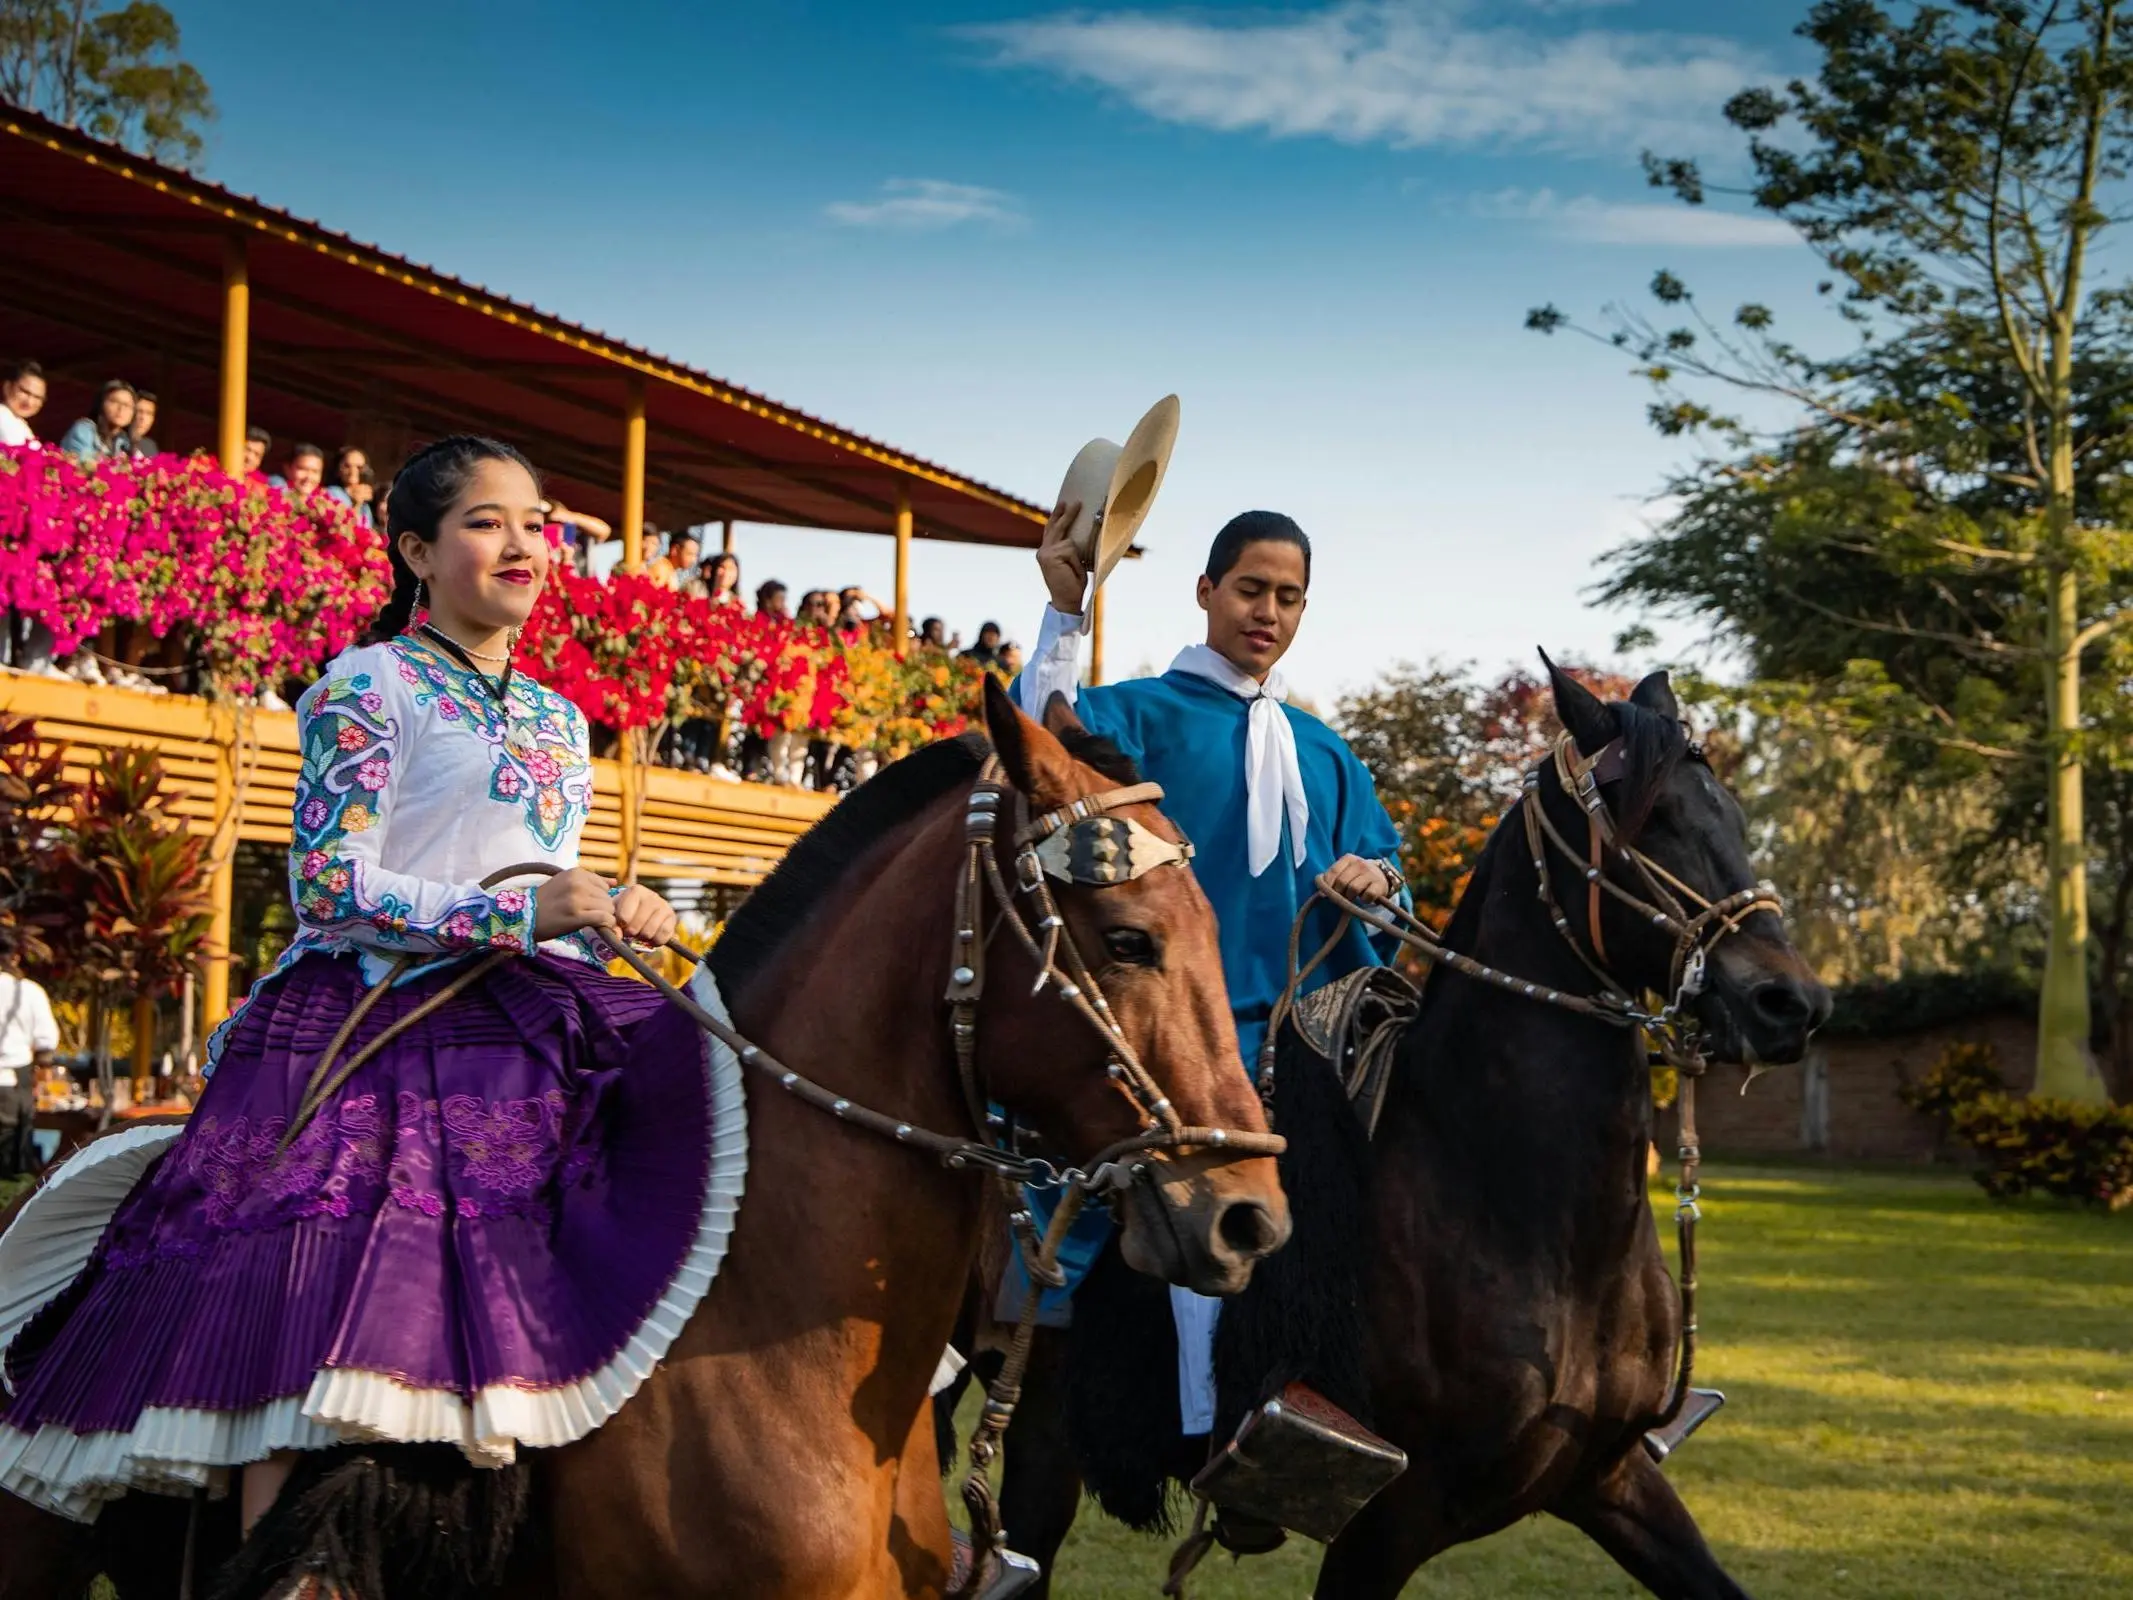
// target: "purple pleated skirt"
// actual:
[[479, 1224]]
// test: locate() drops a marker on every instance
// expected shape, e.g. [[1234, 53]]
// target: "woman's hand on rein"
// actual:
[[569, 901], [581, 898], [643, 917]]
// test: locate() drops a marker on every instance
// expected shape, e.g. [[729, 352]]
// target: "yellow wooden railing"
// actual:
[[232, 776]]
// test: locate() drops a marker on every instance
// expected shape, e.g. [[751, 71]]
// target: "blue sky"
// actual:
[[988, 232]]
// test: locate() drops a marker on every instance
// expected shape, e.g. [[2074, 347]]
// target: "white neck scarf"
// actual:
[[1273, 777]]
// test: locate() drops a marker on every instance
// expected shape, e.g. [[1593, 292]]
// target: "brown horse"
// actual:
[[784, 1448], [1518, 1325]]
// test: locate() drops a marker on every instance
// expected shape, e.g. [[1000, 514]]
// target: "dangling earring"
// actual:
[[418, 605]]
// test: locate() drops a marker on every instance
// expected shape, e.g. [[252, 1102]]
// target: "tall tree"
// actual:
[[113, 72], [1935, 531]]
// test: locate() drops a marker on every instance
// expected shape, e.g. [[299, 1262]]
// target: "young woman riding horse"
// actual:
[[500, 1230], [1519, 1328]]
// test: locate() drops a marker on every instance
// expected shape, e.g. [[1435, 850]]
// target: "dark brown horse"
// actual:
[[1519, 1324], [784, 1448]]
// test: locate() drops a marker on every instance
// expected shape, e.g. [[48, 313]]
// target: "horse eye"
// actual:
[[1130, 947]]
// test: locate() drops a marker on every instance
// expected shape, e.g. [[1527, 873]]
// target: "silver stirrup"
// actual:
[[1700, 1407], [1012, 1573]]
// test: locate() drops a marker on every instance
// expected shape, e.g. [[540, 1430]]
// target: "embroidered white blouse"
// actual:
[[416, 784]]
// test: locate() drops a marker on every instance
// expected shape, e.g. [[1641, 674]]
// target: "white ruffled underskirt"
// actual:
[[173, 1450]]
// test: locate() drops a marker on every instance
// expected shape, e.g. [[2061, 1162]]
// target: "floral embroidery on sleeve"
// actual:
[[350, 744]]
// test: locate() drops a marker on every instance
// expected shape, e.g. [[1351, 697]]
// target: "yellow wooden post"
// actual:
[[222, 887], [1096, 636], [903, 567], [633, 479], [630, 782], [725, 537], [236, 353]]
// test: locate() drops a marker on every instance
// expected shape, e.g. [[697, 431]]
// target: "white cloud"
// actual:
[[1406, 73], [1599, 221], [917, 204]]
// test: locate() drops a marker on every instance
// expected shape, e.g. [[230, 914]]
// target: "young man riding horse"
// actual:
[[1269, 795]]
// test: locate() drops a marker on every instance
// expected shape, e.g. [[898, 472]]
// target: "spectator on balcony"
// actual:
[[257, 442], [105, 434], [851, 626], [1010, 660], [933, 633], [579, 531], [986, 652], [354, 484], [722, 578], [680, 558], [21, 398], [770, 601], [818, 609], [698, 581], [141, 441], [307, 471]]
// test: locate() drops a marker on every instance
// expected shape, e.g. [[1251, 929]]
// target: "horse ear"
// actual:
[[1037, 763], [1656, 693], [1591, 723], [1060, 718]]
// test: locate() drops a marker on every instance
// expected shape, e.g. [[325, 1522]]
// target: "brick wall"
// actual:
[[1841, 1102]]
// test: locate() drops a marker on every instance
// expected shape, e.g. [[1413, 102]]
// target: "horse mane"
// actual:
[[815, 867], [1094, 750]]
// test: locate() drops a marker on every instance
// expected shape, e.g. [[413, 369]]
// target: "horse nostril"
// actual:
[[1782, 1002], [1247, 1227]]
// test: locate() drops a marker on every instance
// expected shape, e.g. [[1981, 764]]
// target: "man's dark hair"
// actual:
[[311, 450], [145, 394], [1254, 527], [18, 370], [984, 628], [258, 435], [766, 590]]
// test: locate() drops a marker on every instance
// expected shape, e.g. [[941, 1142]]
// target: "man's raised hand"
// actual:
[[1060, 562]]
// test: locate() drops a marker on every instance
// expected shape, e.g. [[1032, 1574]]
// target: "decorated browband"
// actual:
[[1100, 851]]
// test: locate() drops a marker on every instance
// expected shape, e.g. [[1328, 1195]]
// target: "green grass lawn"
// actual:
[[1929, 1395]]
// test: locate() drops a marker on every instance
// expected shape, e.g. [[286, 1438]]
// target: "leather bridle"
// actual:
[[1696, 932], [1082, 843]]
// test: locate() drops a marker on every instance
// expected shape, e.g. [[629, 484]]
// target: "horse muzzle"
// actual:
[[1203, 1221], [1762, 1005]]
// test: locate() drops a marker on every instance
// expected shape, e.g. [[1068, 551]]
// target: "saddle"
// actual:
[[1355, 1023]]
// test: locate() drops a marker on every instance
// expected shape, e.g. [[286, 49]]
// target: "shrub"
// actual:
[[1964, 1072], [2061, 1147]]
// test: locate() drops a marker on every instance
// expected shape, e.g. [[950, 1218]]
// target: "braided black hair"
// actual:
[[423, 490]]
